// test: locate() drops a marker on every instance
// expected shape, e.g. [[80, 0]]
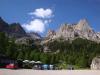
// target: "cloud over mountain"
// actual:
[[36, 25], [41, 20]]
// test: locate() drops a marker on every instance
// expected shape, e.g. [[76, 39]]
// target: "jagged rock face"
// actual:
[[27, 40], [98, 34], [34, 35], [83, 26], [73, 31], [95, 65], [30, 37], [11, 30], [23, 40], [65, 31], [15, 30], [50, 34]]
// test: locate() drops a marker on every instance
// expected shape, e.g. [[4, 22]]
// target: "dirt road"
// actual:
[[48, 72]]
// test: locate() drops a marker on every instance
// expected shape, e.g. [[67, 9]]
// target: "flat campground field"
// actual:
[[48, 72]]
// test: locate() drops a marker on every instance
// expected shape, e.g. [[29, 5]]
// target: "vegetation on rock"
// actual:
[[78, 52]]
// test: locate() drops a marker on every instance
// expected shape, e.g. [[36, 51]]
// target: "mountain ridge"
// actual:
[[72, 31], [15, 30], [66, 31]]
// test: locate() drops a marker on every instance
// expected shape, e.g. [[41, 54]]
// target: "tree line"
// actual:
[[78, 52]]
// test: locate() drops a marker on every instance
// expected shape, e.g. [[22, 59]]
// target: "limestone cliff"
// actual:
[[72, 31]]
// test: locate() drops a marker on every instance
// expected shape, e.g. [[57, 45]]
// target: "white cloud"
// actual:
[[36, 25], [41, 18], [42, 13]]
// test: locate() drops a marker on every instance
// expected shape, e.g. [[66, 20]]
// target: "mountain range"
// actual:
[[72, 31], [75, 44], [66, 31], [15, 30], [12, 30]]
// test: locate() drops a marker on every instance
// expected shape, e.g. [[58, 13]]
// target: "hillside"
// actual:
[[16, 31], [75, 44]]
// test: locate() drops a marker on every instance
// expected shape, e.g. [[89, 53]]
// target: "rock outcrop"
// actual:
[[30, 38], [95, 65], [83, 26], [34, 35], [16, 31], [72, 31], [50, 34]]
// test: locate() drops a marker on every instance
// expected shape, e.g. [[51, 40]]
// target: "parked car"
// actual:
[[51, 67], [45, 67], [11, 66]]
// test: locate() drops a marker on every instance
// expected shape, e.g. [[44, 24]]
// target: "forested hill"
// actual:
[[72, 45], [78, 52]]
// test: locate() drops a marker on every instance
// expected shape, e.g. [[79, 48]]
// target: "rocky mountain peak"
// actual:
[[16, 31], [50, 33], [83, 25], [72, 31], [16, 27], [65, 28]]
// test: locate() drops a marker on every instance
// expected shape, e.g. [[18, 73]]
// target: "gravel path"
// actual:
[[48, 72]]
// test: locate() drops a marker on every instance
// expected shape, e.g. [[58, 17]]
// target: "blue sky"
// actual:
[[61, 11]]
